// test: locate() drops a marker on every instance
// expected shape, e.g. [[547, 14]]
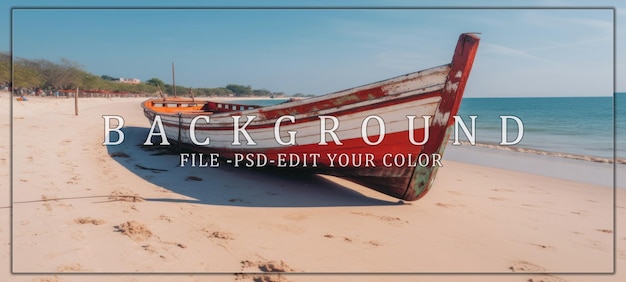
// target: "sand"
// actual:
[[82, 208]]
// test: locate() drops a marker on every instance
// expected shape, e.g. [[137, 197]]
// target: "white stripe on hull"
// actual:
[[309, 132]]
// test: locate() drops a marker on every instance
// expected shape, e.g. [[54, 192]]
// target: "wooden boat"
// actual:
[[372, 125]]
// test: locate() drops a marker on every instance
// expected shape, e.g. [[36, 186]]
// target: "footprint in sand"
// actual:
[[545, 278], [444, 205], [46, 204], [524, 266], [152, 250], [272, 269], [165, 218], [275, 266], [374, 243], [579, 212], [350, 240], [134, 230], [541, 246], [48, 279], [76, 267], [501, 190], [384, 218], [130, 209], [89, 220], [268, 266], [74, 180], [219, 234]]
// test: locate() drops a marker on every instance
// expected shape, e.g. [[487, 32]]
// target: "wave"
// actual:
[[548, 153]]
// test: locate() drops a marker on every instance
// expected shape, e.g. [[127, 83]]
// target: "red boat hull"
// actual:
[[372, 144]]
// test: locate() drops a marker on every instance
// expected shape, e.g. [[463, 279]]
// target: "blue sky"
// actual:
[[524, 52]]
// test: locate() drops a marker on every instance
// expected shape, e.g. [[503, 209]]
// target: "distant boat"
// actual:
[[387, 161]]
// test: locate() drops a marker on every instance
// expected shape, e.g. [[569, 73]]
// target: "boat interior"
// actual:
[[205, 107]]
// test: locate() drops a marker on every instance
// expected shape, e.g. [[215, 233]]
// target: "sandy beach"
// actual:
[[82, 211]]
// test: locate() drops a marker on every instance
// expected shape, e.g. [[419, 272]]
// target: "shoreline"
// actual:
[[598, 173], [556, 154]]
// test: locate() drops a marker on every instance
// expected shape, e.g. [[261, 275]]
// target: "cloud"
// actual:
[[608, 39], [597, 20], [507, 51], [592, 23]]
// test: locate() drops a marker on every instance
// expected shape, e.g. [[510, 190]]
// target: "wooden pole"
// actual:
[[174, 79], [76, 102], [161, 92]]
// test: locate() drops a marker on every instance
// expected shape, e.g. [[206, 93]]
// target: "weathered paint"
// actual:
[[436, 92], [451, 97], [452, 86], [441, 119], [308, 128]]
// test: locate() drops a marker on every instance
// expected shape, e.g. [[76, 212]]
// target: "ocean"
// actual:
[[569, 127], [573, 127]]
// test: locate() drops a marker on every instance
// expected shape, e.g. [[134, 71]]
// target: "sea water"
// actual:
[[574, 127], [588, 128]]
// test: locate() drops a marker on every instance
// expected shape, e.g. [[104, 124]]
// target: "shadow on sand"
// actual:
[[227, 185]]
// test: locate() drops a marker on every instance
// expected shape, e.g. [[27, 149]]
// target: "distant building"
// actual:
[[129, 80]]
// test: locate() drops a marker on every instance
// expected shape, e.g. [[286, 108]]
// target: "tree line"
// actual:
[[67, 74]]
